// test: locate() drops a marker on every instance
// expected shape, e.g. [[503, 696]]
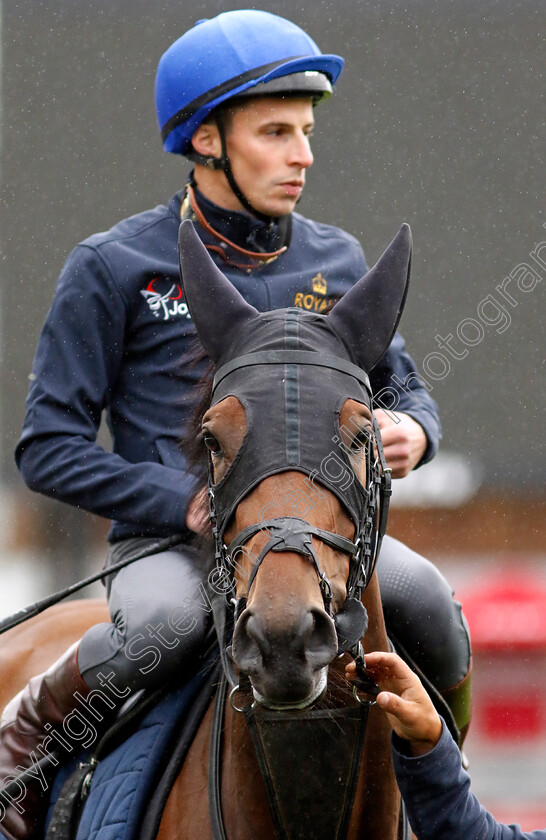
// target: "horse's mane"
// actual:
[[191, 441]]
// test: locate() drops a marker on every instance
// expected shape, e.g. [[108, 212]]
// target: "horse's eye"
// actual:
[[361, 440], [210, 442]]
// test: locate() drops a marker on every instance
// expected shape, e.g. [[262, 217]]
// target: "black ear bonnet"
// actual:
[[291, 424], [293, 370]]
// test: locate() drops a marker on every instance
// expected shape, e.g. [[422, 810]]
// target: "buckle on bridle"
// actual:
[[363, 681]]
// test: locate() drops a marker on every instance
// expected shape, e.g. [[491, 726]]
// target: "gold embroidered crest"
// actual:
[[319, 284], [318, 300]]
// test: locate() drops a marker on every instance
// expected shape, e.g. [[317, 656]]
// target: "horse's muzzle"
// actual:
[[285, 664]]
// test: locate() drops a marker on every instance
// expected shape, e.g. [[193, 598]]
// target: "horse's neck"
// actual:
[[377, 800], [376, 634], [246, 810]]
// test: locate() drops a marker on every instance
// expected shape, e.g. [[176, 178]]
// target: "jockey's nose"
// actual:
[[300, 151]]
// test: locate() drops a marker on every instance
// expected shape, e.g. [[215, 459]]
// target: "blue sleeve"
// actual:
[[77, 360], [440, 805], [397, 386]]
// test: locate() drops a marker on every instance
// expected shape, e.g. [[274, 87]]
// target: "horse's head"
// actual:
[[294, 474]]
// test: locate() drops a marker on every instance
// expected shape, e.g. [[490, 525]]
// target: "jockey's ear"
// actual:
[[206, 140], [217, 308], [367, 316]]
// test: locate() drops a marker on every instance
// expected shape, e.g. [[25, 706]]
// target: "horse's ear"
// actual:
[[215, 305], [367, 316]]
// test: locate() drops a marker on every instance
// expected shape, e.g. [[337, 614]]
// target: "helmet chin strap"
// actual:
[[225, 165]]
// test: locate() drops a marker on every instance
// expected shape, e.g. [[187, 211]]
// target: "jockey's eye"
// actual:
[[211, 443]]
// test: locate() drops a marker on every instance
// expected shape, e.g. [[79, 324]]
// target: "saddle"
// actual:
[[119, 791]]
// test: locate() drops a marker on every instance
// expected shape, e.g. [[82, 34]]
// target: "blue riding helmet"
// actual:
[[230, 55]]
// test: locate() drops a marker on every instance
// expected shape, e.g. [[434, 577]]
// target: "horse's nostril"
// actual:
[[255, 630], [250, 646], [321, 638], [311, 640]]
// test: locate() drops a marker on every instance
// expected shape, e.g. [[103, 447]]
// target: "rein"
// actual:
[[34, 609]]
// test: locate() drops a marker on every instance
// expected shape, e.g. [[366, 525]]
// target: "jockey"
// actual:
[[235, 95]]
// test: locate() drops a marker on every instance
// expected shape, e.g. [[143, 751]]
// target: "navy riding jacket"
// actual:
[[439, 802], [115, 339]]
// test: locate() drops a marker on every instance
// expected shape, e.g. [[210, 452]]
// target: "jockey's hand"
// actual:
[[408, 706], [197, 514], [404, 442]]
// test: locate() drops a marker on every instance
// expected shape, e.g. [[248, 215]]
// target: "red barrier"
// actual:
[[507, 619]]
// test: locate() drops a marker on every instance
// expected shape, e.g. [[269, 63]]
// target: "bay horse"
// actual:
[[298, 496]]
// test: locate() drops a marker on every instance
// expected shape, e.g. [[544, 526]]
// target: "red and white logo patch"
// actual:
[[165, 299]]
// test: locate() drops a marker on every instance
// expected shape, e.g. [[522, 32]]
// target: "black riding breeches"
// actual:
[[421, 613], [161, 613]]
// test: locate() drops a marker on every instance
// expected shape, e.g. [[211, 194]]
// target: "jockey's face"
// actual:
[[268, 143]]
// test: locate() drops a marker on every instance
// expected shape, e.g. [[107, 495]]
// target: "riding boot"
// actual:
[[40, 708], [458, 698]]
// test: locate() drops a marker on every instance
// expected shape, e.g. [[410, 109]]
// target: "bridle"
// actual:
[[292, 533]]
